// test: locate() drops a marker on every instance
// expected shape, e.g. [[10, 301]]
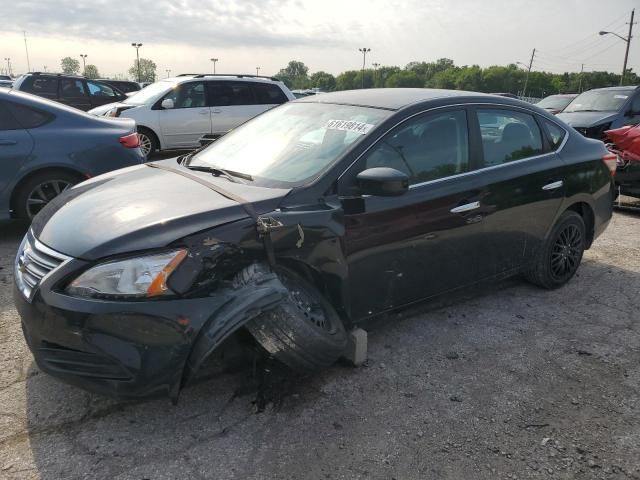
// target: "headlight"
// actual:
[[140, 277]]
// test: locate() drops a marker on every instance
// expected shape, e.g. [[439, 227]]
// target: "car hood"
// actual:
[[102, 109], [586, 119], [140, 208]]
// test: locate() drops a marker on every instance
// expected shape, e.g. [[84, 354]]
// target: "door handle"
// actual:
[[7, 143], [204, 112], [553, 185], [466, 207]]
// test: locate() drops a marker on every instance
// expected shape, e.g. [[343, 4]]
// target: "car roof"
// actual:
[[613, 89], [222, 76], [388, 98]]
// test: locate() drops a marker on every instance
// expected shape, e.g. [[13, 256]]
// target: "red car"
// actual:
[[625, 143]]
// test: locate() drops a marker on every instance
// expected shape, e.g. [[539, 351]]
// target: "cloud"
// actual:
[[216, 23]]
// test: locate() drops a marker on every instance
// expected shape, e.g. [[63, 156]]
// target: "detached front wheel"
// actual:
[[304, 332], [560, 256]]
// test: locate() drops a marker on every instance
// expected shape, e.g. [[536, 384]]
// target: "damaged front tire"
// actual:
[[304, 331]]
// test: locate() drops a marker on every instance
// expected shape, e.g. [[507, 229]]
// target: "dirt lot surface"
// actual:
[[508, 382]]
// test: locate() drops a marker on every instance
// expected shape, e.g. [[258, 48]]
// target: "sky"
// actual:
[[183, 35]]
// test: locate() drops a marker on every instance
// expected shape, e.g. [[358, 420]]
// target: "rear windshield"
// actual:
[[555, 102], [599, 101]]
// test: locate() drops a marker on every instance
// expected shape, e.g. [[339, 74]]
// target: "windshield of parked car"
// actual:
[[555, 102], [599, 101], [292, 144], [149, 93]]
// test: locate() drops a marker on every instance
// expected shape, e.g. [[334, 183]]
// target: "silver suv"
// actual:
[[189, 110]]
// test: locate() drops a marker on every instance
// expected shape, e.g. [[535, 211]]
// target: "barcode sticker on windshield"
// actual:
[[349, 126], [621, 96]]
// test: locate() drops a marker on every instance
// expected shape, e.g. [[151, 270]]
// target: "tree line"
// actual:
[[147, 71], [443, 73]]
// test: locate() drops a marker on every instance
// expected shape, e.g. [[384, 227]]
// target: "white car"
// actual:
[[189, 110]]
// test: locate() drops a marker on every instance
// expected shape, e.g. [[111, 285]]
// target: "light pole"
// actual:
[[257, 71], [528, 67], [168, 70], [44, 67], [84, 63], [364, 51], [8, 60], [214, 60], [627, 40], [137, 47]]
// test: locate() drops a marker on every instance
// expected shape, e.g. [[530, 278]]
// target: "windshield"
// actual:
[[599, 101], [292, 144], [149, 93], [555, 102]]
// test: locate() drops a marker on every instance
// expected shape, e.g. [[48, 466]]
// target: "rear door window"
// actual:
[[268, 94], [508, 136], [556, 134], [223, 94], [42, 86]]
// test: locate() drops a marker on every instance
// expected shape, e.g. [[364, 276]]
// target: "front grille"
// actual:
[[33, 263]]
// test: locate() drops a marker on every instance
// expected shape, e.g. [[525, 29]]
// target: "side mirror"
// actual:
[[383, 182], [167, 104]]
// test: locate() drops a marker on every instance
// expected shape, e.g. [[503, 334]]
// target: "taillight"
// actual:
[[611, 161], [130, 141]]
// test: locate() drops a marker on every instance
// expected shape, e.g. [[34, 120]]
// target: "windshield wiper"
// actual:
[[218, 172]]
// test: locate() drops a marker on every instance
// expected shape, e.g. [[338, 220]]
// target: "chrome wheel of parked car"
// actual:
[[44, 192], [146, 144]]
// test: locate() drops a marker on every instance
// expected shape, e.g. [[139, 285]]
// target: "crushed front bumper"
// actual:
[[132, 350]]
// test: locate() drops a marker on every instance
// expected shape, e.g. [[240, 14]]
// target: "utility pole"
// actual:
[[214, 60], [580, 82], [137, 47], [526, 79], [364, 51], [626, 52], [84, 63], [627, 40], [26, 49]]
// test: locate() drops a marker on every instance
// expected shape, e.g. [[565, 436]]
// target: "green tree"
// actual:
[[70, 66], [404, 79], [147, 70], [347, 80], [323, 80], [91, 72], [382, 74], [294, 75]]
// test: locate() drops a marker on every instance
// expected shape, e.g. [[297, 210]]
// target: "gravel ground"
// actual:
[[508, 382]]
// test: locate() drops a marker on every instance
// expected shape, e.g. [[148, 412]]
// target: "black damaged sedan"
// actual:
[[298, 225]]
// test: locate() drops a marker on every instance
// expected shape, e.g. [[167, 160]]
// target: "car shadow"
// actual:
[[216, 427]]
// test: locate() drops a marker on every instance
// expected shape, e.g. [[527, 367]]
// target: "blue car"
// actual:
[[47, 147]]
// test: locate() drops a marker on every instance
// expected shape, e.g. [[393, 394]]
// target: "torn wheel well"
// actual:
[[586, 212]]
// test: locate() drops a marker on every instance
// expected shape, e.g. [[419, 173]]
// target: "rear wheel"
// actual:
[[304, 331], [560, 257], [40, 189]]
